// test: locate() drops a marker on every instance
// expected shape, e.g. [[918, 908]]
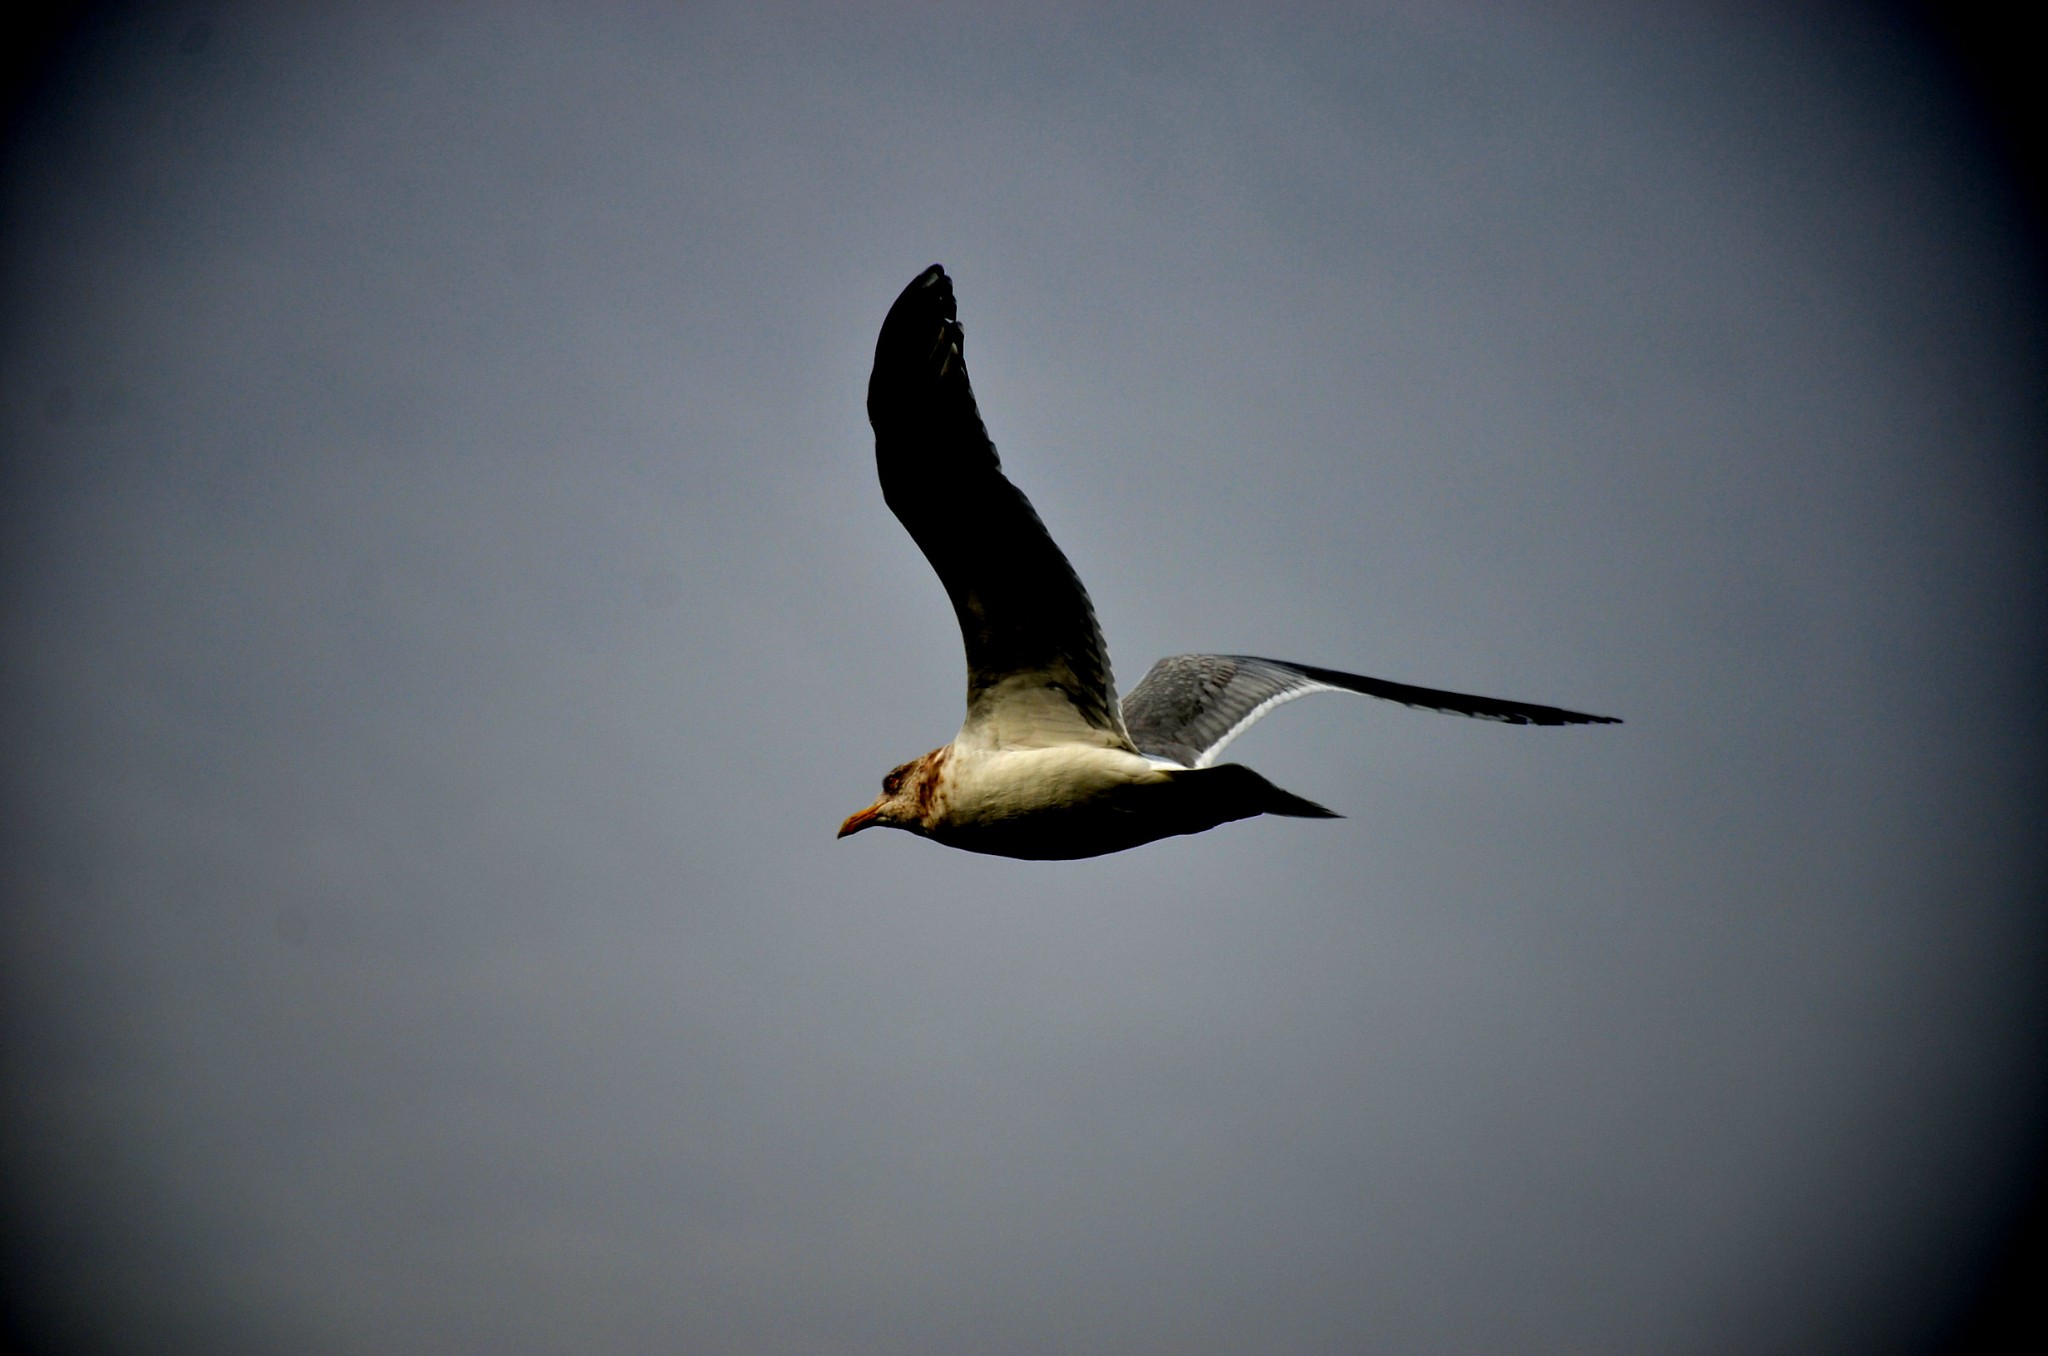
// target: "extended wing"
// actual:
[[1190, 705], [1037, 670]]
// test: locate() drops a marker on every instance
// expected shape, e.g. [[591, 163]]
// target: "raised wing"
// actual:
[[1037, 671], [1190, 705]]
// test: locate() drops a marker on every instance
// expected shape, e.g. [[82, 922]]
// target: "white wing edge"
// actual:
[[1281, 698]]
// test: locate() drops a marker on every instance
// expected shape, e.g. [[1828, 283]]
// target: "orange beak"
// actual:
[[863, 820]]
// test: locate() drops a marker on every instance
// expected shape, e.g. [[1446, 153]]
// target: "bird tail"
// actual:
[[1246, 793], [1280, 802]]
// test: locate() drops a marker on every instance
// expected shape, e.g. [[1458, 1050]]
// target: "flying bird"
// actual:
[[1049, 764]]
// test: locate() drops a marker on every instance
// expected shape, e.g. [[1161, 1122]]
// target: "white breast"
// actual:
[[986, 785]]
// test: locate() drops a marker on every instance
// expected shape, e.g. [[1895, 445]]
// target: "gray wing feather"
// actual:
[[1190, 705], [1021, 607]]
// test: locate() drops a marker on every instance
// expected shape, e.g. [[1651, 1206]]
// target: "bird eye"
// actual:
[[892, 783]]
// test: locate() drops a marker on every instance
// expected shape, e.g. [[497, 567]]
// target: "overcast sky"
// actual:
[[446, 608]]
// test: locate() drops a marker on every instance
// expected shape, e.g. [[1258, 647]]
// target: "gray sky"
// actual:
[[448, 608]]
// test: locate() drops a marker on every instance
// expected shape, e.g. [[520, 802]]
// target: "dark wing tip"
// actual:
[[928, 298], [918, 351], [1550, 715], [1554, 716], [1435, 699]]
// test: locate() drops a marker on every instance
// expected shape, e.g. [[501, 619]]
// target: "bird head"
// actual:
[[905, 801]]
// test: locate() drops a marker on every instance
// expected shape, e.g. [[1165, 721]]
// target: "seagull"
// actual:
[[1049, 765]]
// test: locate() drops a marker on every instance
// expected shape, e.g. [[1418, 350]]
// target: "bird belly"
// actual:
[[1009, 783], [1059, 803]]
